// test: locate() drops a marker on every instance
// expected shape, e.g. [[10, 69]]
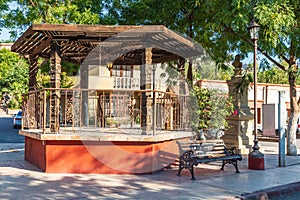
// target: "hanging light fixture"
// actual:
[[109, 65]]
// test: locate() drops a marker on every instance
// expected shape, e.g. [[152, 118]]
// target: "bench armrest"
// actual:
[[188, 157], [187, 154], [229, 151]]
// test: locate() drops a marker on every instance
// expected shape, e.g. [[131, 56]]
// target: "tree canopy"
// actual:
[[219, 26], [23, 13], [13, 76]]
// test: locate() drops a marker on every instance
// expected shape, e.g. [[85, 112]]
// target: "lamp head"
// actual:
[[253, 29]]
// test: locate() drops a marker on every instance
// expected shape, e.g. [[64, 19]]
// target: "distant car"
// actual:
[[215, 133], [212, 133], [18, 120], [259, 129], [298, 126]]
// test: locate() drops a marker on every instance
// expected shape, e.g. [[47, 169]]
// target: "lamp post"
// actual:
[[256, 158], [253, 29]]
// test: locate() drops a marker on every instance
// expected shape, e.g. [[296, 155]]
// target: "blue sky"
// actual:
[[4, 34]]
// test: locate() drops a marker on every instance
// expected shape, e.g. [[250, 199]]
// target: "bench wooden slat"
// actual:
[[212, 159]]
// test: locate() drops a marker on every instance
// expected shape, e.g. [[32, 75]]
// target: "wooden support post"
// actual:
[[183, 117], [145, 81], [55, 73], [154, 100], [33, 70], [33, 104]]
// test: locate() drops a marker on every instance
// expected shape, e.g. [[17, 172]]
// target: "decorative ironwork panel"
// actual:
[[104, 109]]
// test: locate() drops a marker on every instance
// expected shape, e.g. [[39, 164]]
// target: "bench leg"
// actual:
[[186, 165], [223, 165], [180, 167], [186, 162], [191, 169], [233, 162]]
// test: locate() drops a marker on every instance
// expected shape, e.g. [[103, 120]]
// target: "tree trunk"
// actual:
[[190, 73], [291, 136], [190, 67]]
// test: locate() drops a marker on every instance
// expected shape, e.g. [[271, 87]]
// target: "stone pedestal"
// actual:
[[239, 133]]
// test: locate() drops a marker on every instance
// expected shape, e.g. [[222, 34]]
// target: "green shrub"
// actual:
[[214, 106]]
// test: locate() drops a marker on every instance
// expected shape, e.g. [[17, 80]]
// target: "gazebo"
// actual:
[[118, 119]]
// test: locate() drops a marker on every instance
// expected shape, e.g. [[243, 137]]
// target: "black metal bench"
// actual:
[[191, 153]]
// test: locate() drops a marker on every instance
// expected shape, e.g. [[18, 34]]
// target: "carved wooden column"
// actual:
[[183, 116], [84, 83], [145, 84], [32, 101], [33, 70], [55, 73]]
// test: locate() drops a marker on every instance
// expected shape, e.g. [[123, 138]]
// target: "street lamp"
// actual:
[[253, 29]]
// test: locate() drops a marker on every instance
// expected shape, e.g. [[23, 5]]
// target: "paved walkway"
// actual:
[[21, 180]]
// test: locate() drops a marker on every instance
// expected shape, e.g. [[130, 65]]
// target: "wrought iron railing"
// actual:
[[105, 110]]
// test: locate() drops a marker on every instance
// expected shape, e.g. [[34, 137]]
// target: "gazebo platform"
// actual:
[[108, 152]]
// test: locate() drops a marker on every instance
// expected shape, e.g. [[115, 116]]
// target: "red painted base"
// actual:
[[256, 160], [126, 157]]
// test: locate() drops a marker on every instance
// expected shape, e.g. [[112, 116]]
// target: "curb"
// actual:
[[275, 192], [9, 147], [11, 150]]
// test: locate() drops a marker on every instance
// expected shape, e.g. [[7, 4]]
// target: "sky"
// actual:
[[4, 34]]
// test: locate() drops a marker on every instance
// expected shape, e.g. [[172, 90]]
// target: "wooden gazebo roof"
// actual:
[[127, 42]]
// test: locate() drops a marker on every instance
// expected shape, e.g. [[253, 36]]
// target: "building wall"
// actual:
[[266, 93], [6, 45], [101, 78]]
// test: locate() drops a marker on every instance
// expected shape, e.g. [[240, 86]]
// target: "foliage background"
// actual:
[[214, 106], [13, 77]]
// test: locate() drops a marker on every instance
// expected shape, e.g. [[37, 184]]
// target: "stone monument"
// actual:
[[239, 133]]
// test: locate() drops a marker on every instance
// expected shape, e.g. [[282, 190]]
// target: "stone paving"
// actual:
[[21, 180]]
